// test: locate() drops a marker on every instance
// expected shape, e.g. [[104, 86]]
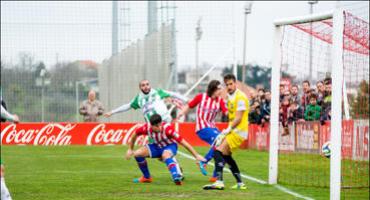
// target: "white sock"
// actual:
[[177, 165], [240, 184], [5, 195]]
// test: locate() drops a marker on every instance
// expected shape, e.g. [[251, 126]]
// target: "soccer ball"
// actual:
[[325, 149]]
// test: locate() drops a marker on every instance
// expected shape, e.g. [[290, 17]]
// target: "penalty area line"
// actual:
[[279, 187]]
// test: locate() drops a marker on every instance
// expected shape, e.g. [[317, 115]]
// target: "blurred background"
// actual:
[[53, 53]]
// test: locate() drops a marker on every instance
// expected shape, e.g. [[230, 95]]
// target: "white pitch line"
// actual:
[[286, 190], [279, 187]]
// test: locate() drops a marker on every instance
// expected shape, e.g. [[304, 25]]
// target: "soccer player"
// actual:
[[232, 137], [208, 104], [164, 146], [5, 195], [150, 101]]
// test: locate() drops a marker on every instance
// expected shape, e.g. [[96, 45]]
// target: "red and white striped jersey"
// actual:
[[167, 136], [207, 110]]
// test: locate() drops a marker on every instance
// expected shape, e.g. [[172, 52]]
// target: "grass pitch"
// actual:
[[100, 172]]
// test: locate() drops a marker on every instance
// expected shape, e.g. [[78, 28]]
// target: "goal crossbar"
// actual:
[[304, 18]]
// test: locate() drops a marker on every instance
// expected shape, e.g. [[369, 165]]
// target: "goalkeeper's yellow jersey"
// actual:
[[238, 102]]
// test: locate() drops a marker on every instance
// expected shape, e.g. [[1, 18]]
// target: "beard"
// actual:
[[145, 92]]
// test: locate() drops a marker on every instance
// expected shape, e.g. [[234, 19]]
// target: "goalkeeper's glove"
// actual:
[[219, 139], [221, 136], [227, 130]]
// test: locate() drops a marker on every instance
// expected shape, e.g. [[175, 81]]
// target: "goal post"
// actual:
[[336, 104], [337, 17]]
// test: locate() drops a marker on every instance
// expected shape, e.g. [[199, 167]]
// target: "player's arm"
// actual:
[[177, 96], [131, 144], [238, 119], [132, 140], [192, 103], [5, 114], [125, 107], [171, 133], [165, 94], [184, 111]]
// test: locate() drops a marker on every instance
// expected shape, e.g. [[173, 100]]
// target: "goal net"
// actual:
[[308, 68]]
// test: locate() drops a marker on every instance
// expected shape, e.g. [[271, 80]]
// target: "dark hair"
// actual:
[[327, 80], [229, 77], [319, 82], [155, 119], [295, 85], [313, 96], [306, 81], [212, 87], [261, 89]]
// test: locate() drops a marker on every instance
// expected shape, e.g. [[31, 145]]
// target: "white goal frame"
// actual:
[[336, 104]]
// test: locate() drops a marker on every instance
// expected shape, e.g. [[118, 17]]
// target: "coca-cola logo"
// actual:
[[99, 134], [50, 134]]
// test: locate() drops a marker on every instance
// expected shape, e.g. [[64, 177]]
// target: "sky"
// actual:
[[72, 30]]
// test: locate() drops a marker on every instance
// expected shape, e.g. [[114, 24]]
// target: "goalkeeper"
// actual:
[[232, 137]]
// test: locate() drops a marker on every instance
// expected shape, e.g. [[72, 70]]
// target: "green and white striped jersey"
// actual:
[[151, 103]]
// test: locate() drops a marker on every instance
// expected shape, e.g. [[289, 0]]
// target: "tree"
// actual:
[[360, 103], [255, 75]]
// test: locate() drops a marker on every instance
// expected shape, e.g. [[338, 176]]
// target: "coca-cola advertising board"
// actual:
[[84, 133]]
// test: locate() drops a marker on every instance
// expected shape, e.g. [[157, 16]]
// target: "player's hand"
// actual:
[[219, 139], [129, 153], [226, 131], [108, 114], [16, 119], [180, 115], [200, 158]]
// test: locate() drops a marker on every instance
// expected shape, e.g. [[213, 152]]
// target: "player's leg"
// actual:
[[224, 153], [179, 169], [233, 141], [167, 155], [168, 119], [219, 166], [140, 155], [207, 135], [214, 134], [4, 190]]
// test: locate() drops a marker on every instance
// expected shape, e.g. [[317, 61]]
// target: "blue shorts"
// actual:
[[156, 152], [208, 134]]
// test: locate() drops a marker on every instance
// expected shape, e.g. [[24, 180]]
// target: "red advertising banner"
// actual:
[[262, 137], [307, 137], [84, 133], [360, 150], [303, 137]]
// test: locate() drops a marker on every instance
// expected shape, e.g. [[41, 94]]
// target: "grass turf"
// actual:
[[100, 172]]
